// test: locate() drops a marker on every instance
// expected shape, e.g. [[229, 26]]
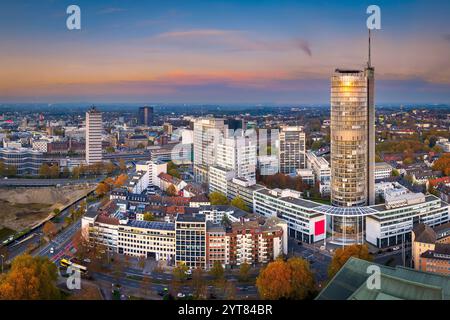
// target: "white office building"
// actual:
[[154, 168], [207, 132], [93, 136], [382, 170], [291, 149]]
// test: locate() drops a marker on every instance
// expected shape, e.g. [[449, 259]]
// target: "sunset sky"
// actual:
[[219, 51]]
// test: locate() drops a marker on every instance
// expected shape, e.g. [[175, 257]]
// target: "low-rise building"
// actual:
[[382, 170], [431, 248]]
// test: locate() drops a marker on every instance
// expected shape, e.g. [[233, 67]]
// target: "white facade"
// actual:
[[238, 154], [291, 149], [138, 182], [93, 136], [320, 166], [154, 168], [382, 170], [207, 132], [218, 179], [268, 165]]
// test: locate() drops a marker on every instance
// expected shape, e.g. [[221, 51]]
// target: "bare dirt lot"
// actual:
[[24, 207]]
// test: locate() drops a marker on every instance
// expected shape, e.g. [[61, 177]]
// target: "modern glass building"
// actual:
[[25, 161], [352, 136]]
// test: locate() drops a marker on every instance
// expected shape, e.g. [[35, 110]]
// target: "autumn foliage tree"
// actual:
[[49, 229], [291, 279], [30, 278], [341, 256], [443, 164]]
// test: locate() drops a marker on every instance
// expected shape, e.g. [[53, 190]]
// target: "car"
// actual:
[[322, 248], [396, 248], [87, 260], [52, 250], [300, 243], [181, 295]]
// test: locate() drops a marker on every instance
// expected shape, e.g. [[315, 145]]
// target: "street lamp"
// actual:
[[2, 260]]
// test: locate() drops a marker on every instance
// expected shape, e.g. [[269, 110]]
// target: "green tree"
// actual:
[[238, 202], [180, 272], [395, 173], [198, 284], [217, 271], [148, 216], [244, 271], [44, 171], [217, 198]]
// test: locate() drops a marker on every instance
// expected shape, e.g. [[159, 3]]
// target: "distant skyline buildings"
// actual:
[[146, 116]]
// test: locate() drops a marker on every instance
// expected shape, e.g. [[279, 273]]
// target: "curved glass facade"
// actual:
[[349, 136]]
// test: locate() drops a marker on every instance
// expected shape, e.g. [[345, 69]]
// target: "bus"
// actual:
[[74, 264]]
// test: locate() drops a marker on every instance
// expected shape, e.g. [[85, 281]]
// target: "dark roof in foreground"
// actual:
[[398, 283]]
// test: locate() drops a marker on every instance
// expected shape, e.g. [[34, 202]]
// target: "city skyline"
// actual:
[[231, 52]]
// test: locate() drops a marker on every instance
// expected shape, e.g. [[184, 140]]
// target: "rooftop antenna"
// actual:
[[369, 62]]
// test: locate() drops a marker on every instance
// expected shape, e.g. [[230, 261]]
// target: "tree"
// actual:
[[76, 173], [198, 284], [142, 262], [171, 190], [102, 189], [244, 271], [302, 279], [291, 279], [122, 165], [217, 271], [148, 216], [341, 256], [110, 167], [274, 281], [230, 291], [49, 229], [66, 172], [180, 272], [217, 198], [44, 171], [54, 171], [395, 173], [30, 278], [238, 202], [110, 150], [120, 180], [146, 286]]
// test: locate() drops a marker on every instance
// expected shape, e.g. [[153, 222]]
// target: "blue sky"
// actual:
[[219, 51]]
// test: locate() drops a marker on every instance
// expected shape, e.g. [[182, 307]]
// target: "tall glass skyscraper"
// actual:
[[352, 137]]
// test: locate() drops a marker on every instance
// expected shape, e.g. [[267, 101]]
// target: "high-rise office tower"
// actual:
[[207, 134], [146, 116], [238, 153], [291, 149], [93, 136], [353, 137]]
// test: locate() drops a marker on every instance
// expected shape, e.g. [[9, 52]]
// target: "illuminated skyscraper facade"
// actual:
[[352, 137]]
